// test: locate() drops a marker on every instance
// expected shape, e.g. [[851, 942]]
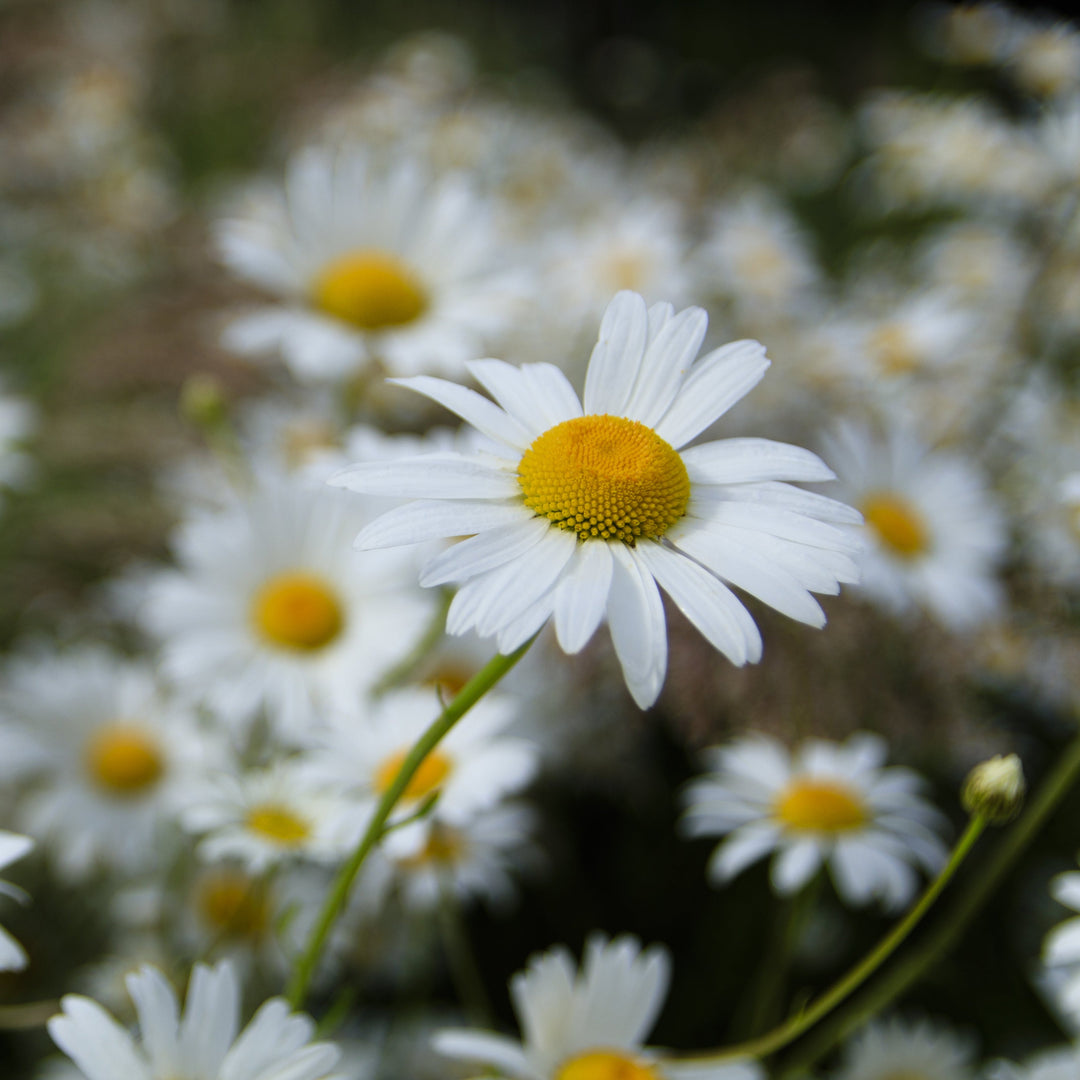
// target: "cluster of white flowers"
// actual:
[[511, 387]]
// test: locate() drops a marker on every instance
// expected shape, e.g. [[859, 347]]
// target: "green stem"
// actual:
[[461, 960], [946, 932], [787, 1032], [466, 698], [766, 1002]]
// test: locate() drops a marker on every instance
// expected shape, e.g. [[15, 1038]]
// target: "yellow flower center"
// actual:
[[297, 611], [894, 350], [605, 1065], [444, 847], [605, 477], [124, 759], [820, 806], [372, 290], [434, 769], [234, 905], [898, 525], [279, 824]]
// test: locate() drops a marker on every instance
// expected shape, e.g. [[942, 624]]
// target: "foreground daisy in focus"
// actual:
[[826, 803], [12, 848], [582, 509], [587, 1025], [204, 1045]]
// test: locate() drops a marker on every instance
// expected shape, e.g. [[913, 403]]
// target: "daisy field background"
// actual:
[[232, 232]]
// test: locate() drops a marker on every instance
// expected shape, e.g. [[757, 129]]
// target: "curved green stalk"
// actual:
[[791, 1029], [966, 906], [466, 698]]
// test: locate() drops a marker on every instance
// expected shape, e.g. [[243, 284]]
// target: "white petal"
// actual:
[[715, 383], [743, 566], [13, 847], [705, 601], [666, 365], [431, 519], [740, 461], [795, 866], [12, 954], [635, 615], [617, 355], [158, 1014], [485, 551], [496, 1050], [429, 476], [538, 396], [581, 596], [740, 850], [100, 1047], [473, 408], [211, 1013]]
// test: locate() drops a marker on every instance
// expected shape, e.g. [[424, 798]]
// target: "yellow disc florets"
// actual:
[[278, 823], [434, 769], [820, 806], [124, 759], [605, 1065], [898, 525], [605, 477], [372, 290], [297, 611]]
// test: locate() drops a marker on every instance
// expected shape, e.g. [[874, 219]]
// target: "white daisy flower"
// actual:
[[473, 768], [12, 848], [587, 1025], [934, 533], [370, 264], [270, 609], [757, 254], [826, 803], [479, 859], [111, 755], [204, 1044], [266, 817], [886, 1050], [581, 511]]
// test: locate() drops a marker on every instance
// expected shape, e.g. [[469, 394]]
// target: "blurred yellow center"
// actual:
[[820, 806], [434, 769], [231, 903], [372, 290], [605, 477], [278, 823], [444, 846], [896, 354], [897, 523], [124, 759], [605, 1065], [297, 611]]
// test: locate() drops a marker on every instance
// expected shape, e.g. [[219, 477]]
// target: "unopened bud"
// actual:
[[995, 789], [202, 401]]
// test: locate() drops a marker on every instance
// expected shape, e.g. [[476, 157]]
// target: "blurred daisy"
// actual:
[[887, 1050], [12, 848], [369, 264], [202, 1045], [270, 608], [265, 817], [934, 533], [580, 513], [587, 1025], [1061, 949], [425, 865], [826, 803], [110, 754], [474, 767], [1060, 1063]]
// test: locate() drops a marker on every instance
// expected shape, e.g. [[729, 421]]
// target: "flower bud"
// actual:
[[995, 789]]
